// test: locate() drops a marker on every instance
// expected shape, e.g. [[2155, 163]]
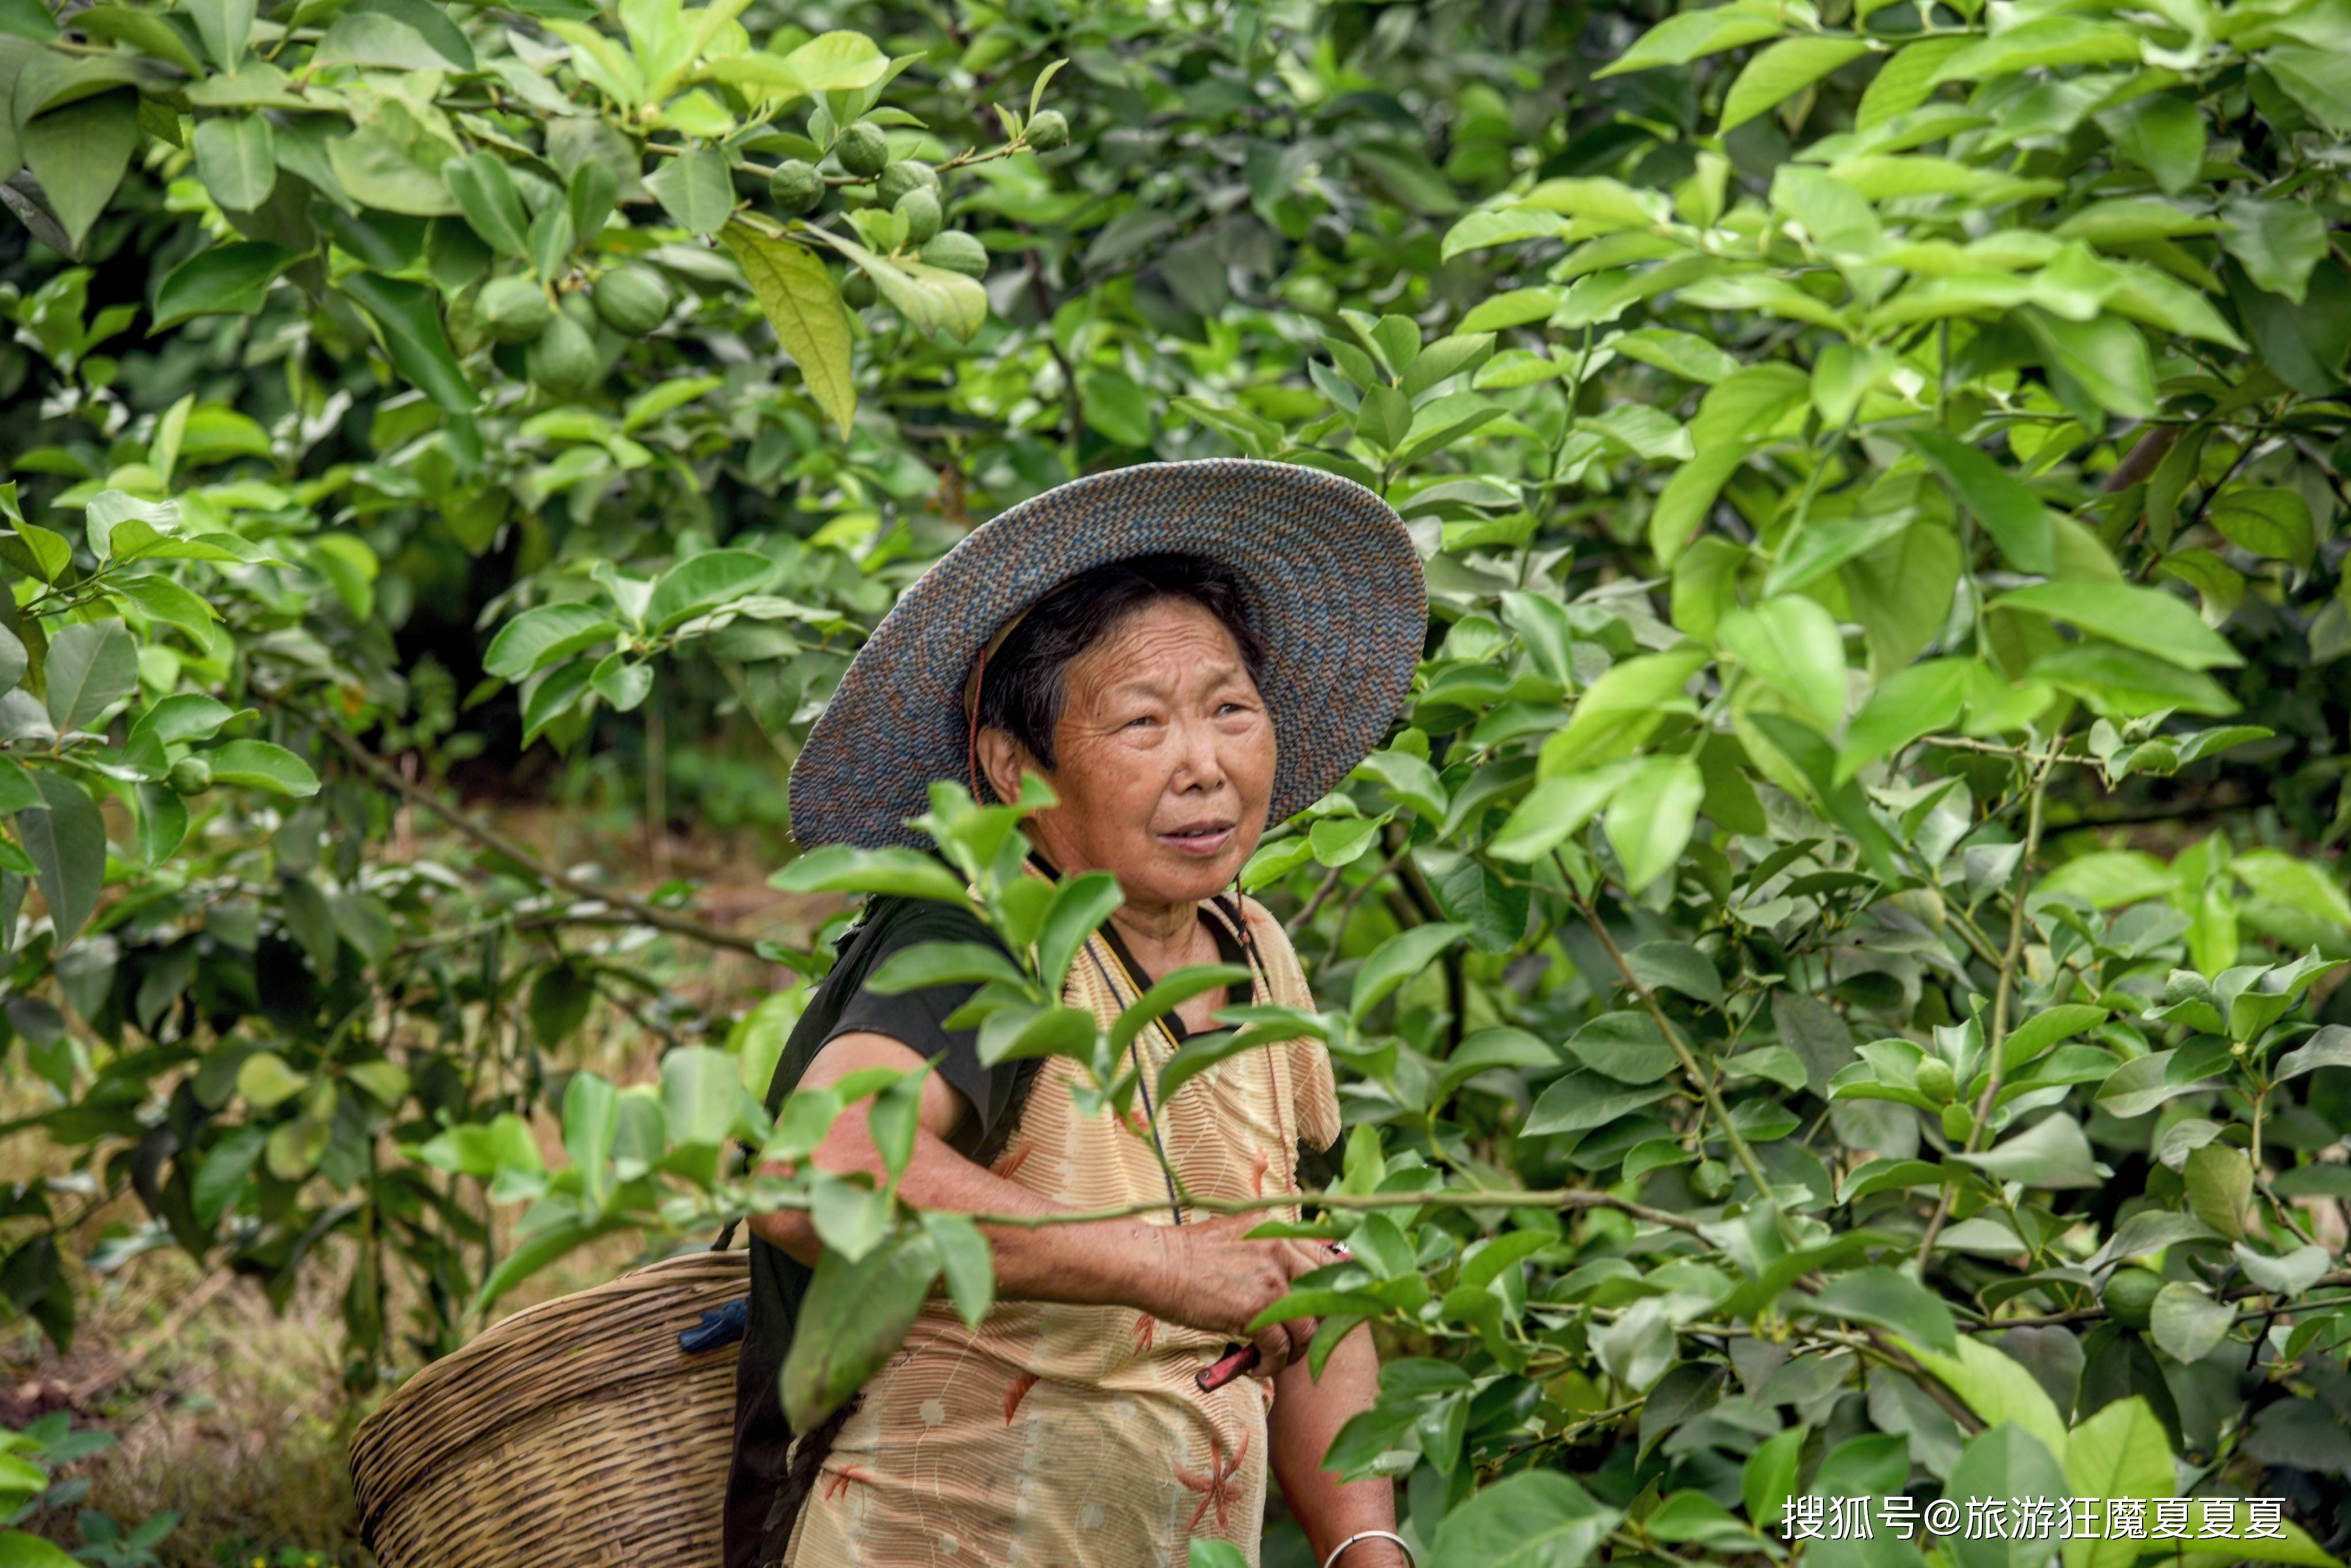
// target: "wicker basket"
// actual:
[[573, 1433]]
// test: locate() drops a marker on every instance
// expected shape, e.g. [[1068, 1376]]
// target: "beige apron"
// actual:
[[1070, 1437]]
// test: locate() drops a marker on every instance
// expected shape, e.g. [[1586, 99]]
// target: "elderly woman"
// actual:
[[1182, 652]]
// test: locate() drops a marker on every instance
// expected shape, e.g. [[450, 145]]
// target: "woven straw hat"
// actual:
[[1330, 582]]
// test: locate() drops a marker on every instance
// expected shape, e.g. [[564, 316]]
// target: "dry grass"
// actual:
[[238, 1418]]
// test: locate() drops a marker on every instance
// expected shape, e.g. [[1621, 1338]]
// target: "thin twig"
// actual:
[[1562, 1199], [650, 915], [1698, 1074], [1997, 1038]]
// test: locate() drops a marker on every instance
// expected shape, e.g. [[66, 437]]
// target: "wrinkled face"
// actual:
[[1164, 759]]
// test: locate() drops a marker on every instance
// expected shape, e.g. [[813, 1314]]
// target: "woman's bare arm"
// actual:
[[1307, 1414], [1204, 1276]]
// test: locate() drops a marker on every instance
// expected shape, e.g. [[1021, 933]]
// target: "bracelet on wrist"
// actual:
[[1340, 1550]]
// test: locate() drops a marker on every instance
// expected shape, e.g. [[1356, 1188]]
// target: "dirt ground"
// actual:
[[236, 1416]]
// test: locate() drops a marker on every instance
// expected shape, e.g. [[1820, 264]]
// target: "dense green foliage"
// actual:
[[1857, 453]]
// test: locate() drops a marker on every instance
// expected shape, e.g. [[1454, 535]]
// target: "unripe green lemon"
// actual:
[[1957, 1122], [632, 300], [796, 187], [921, 211], [904, 175], [956, 252], [192, 776], [515, 310], [1048, 130], [863, 150], [858, 292], [2129, 1296], [1937, 1082], [563, 362]]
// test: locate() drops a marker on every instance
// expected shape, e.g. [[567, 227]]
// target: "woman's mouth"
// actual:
[[1202, 838]]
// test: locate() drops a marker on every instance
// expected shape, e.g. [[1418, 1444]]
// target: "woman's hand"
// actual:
[[1206, 1277]]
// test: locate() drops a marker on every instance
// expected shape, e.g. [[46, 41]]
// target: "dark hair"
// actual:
[[1022, 691]]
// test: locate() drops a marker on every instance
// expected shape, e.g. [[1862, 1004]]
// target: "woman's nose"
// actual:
[[1200, 763]]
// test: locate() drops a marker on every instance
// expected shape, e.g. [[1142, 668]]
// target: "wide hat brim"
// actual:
[[1330, 581]]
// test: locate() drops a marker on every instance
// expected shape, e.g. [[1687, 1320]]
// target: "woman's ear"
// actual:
[[1002, 762]]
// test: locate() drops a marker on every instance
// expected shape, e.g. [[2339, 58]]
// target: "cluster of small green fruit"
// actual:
[[905, 186], [559, 339]]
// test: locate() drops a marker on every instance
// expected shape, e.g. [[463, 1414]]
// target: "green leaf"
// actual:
[[226, 280], [932, 299], [485, 193], [1684, 354], [2107, 878], [2297, 883], [2011, 514], [259, 764], [2162, 133], [263, 1080], [18, 1550], [1556, 808], [2052, 1152], [67, 841], [1621, 707], [408, 326], [2220, 1185], [2049, 41], [93, 665], [1080, 903], [2003, 1462], [2316, 79], [838, 868], [2122, 681], [2106, 357], [2268, 522], [1768, 1478], [1996, 1389], [802, 303], [695, 189], [1624, 1045], [702, 583], [2120, 1452], [1535, 1519], [1583, 1101], [964, 1257], [165, 600], [538, 638], [853, 1318], [1170, 993], [701, 1091], [2146, 618], [1650, 817], [236, 158], [1679, 39], [1917, 701], [2045, 1028], [2188, 1322], [926, 964], [1488, 1051], [2279, 241], [1782, 71], [78, 152], [1733, 419], [1892, 1301], [1398, 959], [1793, 645], [592, 1120], [541, 1250]]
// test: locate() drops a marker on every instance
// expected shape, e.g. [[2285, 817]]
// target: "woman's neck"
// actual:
[[1163, 937]]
